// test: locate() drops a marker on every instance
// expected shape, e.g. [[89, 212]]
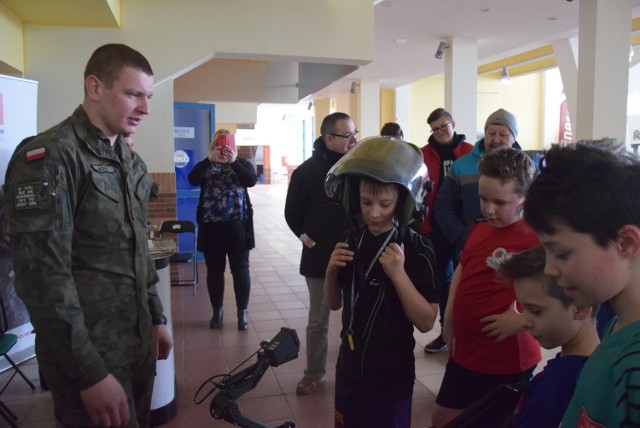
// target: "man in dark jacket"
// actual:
[[318, 222]]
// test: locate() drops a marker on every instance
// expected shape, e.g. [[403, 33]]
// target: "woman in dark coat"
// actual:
[[225, 223]]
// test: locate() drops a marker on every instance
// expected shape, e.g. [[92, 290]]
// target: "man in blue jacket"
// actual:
[[319, 223], [457, 205]]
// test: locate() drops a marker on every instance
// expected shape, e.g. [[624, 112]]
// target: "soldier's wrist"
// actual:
[[159, 320]]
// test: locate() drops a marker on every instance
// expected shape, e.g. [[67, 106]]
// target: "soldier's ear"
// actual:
[[93, 87]]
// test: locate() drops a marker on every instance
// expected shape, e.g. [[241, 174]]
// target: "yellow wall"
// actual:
[[425, 96], [387, 106], [525, 95], [322, 109], [347, 103], [523, 98], [114, 5], [12, 45]]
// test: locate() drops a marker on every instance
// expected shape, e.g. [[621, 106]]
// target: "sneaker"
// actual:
[[436, 345], [306, 385]]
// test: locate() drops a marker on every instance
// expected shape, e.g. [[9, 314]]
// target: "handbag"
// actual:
[[248, 223], [495, 410]]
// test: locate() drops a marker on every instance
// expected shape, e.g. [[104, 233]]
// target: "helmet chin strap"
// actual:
[[401, 231]]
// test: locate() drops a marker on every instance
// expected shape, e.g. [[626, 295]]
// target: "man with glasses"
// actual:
[[444, 147], [457, 205], [318, 222]]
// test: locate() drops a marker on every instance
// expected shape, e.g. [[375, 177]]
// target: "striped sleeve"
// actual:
[[626, 372]]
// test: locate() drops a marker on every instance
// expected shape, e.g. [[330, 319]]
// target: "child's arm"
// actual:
[[418, 310], [447, 327], [503, 325], [339, 259]]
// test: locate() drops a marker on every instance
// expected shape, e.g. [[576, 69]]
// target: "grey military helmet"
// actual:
[[384, 159]]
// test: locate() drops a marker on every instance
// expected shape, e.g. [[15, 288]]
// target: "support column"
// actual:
[[369, 107], [566, 52], [461, 84], [604, 68]]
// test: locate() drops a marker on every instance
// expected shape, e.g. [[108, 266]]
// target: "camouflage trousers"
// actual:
[[134, 370]]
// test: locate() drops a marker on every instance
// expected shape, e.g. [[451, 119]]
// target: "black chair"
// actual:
[[177, 227], [7, 342]]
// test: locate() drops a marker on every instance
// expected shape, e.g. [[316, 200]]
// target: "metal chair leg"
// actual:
[[8, 415], [15, 372]]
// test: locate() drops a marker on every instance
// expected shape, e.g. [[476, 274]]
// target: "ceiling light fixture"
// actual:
[[505, 79], [440, 51]]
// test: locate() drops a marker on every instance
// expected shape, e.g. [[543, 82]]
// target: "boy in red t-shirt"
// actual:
[[485, 333]]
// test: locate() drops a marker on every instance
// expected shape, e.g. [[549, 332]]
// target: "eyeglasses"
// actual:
[[441, 128], [347, 136]]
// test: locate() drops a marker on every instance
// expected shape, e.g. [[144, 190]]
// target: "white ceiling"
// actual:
[[502, 28]]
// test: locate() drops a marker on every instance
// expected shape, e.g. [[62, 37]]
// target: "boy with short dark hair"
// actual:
[[488, 343], [585, 207], [553, 320]]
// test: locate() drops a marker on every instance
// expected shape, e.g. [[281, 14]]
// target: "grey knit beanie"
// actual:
[[503, 117]]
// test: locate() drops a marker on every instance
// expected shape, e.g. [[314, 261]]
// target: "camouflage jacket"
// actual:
[[77, 211]]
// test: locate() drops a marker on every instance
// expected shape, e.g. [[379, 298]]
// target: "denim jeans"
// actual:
[[445, 264], [317, 330]]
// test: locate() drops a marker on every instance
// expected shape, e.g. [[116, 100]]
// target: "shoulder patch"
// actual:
[[36, 154], [35, 195]]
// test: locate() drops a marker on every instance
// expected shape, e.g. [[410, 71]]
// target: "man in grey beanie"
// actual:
[[457, 205]]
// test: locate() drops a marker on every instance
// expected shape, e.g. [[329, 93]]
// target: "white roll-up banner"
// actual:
[[18, 120]]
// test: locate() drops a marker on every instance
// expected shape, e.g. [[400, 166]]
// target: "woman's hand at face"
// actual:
[[213, 153], [231, 155], [224, 155]]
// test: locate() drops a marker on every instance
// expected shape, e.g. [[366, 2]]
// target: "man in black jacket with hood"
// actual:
[[318, 222]]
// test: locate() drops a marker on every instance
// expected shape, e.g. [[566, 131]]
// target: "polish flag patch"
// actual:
[[35, 154]]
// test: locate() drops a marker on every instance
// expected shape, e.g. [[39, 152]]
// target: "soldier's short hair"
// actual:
[[107, 61]]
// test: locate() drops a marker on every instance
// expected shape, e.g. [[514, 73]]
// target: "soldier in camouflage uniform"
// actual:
[[77, 208]]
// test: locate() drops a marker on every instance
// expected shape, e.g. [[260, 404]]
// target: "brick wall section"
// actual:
[[164, 207]]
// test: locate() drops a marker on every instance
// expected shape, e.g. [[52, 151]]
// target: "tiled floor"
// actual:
[[279, 298]]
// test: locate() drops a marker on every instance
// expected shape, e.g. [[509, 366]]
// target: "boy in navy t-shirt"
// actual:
[[554, 321]]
